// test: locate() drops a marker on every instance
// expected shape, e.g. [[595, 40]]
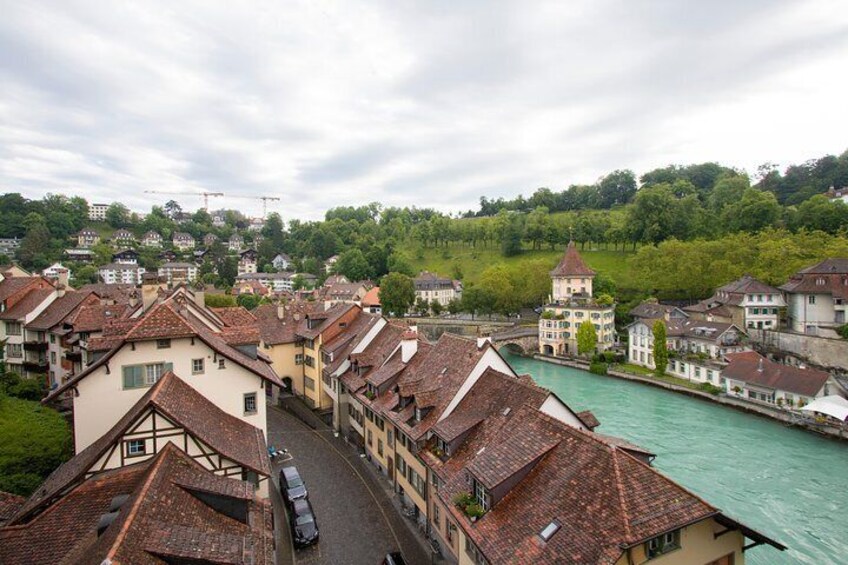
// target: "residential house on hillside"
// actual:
[[126, 256], [97, 212], [122, 273], [275, 282], [330, 263], [209, 240], [430, 287], [23, 299], [183, 241], [218, 220], [235, 243], [82, 256], [751, 376], [123, 238], [176, 272], [696, 348], [835, 194], [9, 245], [151, 239], [255, 225], [87, 237], [343, 293], [746, 302], [281, 262], [57, 271], [572, 303], [247, 261], [817, 298], [165, 509], [651, 310], [178, 334]]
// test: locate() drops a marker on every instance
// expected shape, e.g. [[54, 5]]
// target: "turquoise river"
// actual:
[[789, 484]]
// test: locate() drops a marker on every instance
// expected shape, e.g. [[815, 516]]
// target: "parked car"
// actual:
[[291, 485], [303, 524], [393, 558]]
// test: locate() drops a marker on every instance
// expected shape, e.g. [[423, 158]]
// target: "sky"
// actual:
[[429, 104]]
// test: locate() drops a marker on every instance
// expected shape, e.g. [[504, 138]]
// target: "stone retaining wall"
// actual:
[[822, 351]]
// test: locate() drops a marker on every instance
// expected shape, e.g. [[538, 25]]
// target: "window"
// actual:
[[163, 344], [401, 465], [811, 299], [474, 553], [436, 519], [52, 338], [298, 359], [370, 438], [14, 350], [309, 383], [309, 361], [418, 483], [52, 357], [250, 403], [663, 544], [136, 447], [222, 363], [138, 376], [481, 495], [451, 531], [13, 328], [547, 533], [197, 366], [380, 447]]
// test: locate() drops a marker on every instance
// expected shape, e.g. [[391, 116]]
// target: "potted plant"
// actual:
[[474, 511], [463, 499]]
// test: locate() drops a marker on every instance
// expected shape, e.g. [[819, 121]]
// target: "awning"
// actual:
[[832, 405]]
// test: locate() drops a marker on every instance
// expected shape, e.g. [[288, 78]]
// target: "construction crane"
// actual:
[[264, 200], [204, 194]]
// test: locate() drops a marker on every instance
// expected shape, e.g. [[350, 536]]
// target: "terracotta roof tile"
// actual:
[[95, 317], [60, 309], [753, 368], [275, 330], [235, 316], [10, 504], [161, 322], [27, 304], [572, 264]]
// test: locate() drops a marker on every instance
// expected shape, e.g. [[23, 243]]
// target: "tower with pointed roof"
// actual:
[[572, 303]]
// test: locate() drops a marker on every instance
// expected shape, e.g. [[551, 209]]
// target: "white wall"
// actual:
[[102, 400], [491, 358]]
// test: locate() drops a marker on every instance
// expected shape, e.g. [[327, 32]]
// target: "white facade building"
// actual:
[[97, 212]]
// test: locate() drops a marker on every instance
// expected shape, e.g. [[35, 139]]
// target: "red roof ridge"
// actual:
[[628, 535]]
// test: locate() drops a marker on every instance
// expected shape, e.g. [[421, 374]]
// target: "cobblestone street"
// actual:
[[356, 516]]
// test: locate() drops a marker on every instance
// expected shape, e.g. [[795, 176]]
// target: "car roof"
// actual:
[[289, 472], [302, 506]]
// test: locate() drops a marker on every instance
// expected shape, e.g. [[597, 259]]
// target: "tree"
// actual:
[[298, 282], [587, 338], [173, 209], [35, 246], [397, 293], [353, 265], [422, 306], [660, 348], [249, 301], [478, 300], [435, 307], [117, 215]]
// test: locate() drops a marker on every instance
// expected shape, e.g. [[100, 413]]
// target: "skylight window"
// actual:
[[548, 532]]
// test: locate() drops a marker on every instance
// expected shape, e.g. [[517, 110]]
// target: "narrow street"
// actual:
[[357, 520]]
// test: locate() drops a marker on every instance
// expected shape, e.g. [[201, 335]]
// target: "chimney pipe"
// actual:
[[281, 309], [760, 365], [62, 277]]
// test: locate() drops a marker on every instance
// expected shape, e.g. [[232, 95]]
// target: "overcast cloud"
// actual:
[[431, 103]]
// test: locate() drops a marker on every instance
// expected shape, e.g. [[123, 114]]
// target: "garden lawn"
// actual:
[[34, 440], [472, 261]]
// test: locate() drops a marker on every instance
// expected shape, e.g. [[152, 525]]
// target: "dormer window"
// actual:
[[820, 281], [663, 544], [443, 447], [482, 495]]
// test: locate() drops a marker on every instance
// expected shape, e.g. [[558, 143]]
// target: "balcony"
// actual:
[[74, 355], [36, 365], [35, 346]]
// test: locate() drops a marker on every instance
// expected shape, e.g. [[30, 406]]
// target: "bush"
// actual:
[[547, 315], [710, 388], [29, 389], [609, 357], [463, 499], [474, 510], [599, 368], [219, 300], [843, 331]]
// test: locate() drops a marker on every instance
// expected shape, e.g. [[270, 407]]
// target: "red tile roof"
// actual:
[[828, 277], [172, 397], [275, 330], [32, 300], [572, 264], [14, 285], [372, 297], [93, 318], [235, 316], [60, 309], [161, 322], [10, 504], [753, 368], [164, 519]]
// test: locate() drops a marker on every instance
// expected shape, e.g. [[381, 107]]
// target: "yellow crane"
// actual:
[[203, 194]]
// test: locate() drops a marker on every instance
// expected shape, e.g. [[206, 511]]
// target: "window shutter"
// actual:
[[129, 381]]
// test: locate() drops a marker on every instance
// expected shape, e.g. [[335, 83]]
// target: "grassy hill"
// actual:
[[473, 261]]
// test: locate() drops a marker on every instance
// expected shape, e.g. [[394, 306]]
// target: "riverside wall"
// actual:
[[825, 352]]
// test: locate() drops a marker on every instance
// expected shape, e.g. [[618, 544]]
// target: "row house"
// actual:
[[177, 272], [753, 377], [52, 325], [696, 348], [177, 334], [23, 299], [183, 241], [87, 325], [151, 239], [123, 238], [87, 237], [278, 324], [121, 273], [817, 298], [572, 304], [97, 212], [247, 262], [430, 287], [746, 302]]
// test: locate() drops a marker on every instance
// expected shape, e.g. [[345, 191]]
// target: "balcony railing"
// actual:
[[35, 346]]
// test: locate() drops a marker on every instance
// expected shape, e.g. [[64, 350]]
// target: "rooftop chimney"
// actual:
[[281, 309], [62, 277], [760, 365], [150, 286], [408, 344], [60, 290]]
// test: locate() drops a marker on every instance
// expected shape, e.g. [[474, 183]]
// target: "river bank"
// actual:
[[782, 415], [779, 479]]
